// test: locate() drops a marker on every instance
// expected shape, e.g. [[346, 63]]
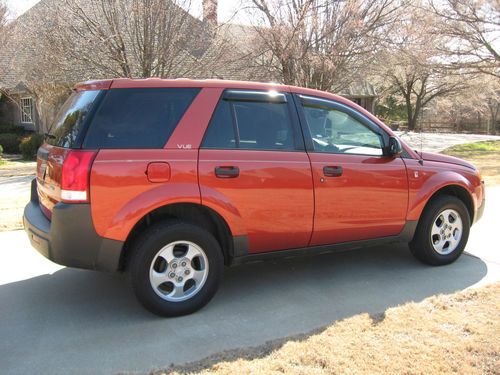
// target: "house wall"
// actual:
[[9, 112], [367, 103]]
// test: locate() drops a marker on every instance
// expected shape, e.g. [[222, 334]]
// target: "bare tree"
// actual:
[[321, 44], [411, 67], [68, 41], [132, 38], [123, 38], [3, 24], [473, 28]]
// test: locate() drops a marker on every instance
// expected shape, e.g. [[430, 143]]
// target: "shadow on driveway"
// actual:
[[86, 322]]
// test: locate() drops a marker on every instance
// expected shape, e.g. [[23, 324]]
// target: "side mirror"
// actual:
[[395, 148]]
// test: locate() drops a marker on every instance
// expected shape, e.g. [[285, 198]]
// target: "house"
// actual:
[[23, 103], [362, 93]]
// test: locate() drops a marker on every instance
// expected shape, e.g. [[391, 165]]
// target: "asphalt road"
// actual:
[[55, 320]]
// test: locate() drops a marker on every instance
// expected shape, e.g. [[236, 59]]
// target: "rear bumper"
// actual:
[[69, 238]]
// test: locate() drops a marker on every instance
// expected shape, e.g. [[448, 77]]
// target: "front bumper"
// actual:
[[69, 238], [479, 211]]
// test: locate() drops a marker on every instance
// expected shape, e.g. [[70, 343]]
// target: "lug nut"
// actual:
[[172, 275], [179, 279], [183, 264], [174, 265], [186, 272]]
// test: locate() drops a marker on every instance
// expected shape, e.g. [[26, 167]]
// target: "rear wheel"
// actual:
[[442, 231], [176, 268]]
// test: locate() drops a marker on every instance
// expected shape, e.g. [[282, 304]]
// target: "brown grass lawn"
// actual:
[[484, 155], [446, 334], [13, 198]]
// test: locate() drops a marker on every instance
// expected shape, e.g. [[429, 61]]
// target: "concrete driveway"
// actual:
[[57, 320]]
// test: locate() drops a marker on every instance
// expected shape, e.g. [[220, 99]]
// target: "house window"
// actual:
[[27, 110]]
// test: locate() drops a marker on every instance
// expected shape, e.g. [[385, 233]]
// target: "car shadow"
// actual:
[[89, 320]]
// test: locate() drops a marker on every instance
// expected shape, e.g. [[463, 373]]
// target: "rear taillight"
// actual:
[[75, 177]]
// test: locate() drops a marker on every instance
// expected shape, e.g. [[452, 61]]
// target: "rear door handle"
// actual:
[[332, 171], [227, 172]]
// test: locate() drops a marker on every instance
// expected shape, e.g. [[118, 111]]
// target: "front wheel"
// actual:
[[176, 268], [442, 231]]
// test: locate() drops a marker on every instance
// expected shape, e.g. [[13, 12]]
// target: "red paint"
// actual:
[[189, 132], [368, 200], [94, 85], [158, 172], [272, 198], [49, 176], [121, 194], [426, 179], [279, 199]]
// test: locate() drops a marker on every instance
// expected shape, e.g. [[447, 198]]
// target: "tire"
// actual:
[[176, 268], [438, 239]]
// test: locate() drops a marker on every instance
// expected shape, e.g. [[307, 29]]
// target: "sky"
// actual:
[[227, 9]]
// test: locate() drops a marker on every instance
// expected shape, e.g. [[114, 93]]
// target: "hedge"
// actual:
[[10, 143], [29, 146], [12, 129]]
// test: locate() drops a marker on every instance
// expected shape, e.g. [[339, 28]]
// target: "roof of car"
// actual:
[[120, 83]]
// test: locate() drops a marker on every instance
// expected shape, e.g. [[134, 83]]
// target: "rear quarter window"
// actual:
[[138, 118], [71, 118]]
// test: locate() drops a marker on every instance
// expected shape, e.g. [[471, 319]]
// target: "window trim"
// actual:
[[23, 112], [262, 96], [252, 96], [318, 102]]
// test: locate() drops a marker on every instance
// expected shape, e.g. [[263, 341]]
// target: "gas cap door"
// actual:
[[158, 171]]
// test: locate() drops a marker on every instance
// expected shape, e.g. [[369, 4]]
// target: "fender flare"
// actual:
[[432, 186]]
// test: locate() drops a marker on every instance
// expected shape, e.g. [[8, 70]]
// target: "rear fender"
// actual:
[[221, 204], [134, 210]]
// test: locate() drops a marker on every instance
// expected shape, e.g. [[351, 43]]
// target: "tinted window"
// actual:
[[138, 118], [335, 131], [220, 132], [70, 118], [250, 125]]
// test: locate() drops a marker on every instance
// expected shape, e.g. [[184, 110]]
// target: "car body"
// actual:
[[265, 169]]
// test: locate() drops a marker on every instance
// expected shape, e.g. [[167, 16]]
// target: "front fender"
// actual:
[[420, 195]]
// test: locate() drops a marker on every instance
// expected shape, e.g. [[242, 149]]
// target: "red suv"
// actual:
[[173, 179]]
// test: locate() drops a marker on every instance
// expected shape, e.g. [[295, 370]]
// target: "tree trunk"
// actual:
[[409, 113]]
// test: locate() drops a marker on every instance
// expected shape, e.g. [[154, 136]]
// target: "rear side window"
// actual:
[[70, 119], [250, 125], [138, 118]]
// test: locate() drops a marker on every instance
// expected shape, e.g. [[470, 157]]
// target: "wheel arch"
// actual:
[[191, 213], [457, 191]]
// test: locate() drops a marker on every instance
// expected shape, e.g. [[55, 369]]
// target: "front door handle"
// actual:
[[227, 172], [332, 171]]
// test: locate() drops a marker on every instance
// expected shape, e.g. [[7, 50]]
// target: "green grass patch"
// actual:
[[485, 146], [484, 155]]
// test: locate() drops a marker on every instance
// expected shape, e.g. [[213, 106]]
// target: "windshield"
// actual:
[[70, 119]]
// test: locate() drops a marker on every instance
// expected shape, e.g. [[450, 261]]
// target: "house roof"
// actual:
[[16, 63], [359, 89], [230, 46]]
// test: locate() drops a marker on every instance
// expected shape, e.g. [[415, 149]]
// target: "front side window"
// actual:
[[251, 126], [335, 131]]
